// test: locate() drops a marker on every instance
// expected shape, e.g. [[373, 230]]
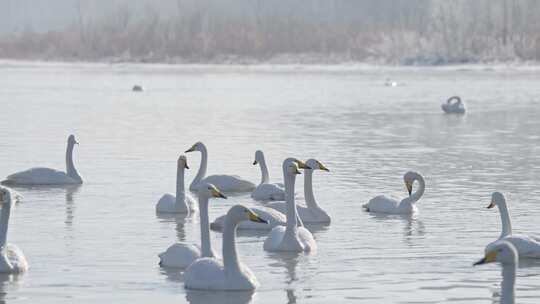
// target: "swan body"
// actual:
[[181, 255], [182, 202], [47, 176], [12, 259], [290, 238], [311, 213], [266, 191], [226, 183], [505, 253], [384, 204], [272, 219], [229, 274], [453, 108], [526, 246]]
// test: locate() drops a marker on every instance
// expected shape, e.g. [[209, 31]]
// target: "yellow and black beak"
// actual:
[[302, 165], [191, 149], [255, 218], [409, 187], [217, 193], [489, 258], [255, 162], [186, 165], [323, 167], [491, 205]]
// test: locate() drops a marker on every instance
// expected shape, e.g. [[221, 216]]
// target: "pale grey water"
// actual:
[[100, 242]]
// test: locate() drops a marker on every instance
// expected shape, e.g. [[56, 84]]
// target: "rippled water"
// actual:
[[100, 242]]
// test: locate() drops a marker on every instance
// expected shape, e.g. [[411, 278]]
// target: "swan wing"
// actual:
[[179, 255], [17, 258], [268, 192], [230, 183], [273, 217], [167, 203], [382, 204], [39, 176], [205, 273], [274, 239]]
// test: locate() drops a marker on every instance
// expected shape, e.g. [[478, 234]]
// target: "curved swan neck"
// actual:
[[230, 256], [421, 188], [264, 171], [180, 188], [308, 189], [4, 220], [202, 168], [505, 219], [206, 246], [70, 167], [508, 283]]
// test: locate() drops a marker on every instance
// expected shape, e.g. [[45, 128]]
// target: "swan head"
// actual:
[[72, 140], [497, 199], [5, 195], [502, 251], [259, 157], [209, 190], [182, 162], [293, 169], [409, 179], [239, 213], [316, 165], [198, 146], [298, 162]]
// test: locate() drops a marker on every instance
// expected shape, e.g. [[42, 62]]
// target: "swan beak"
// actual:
[[489, 258], [323, 167], [217, 193], [491, 205], [296, 171], [409, 187], [186, 165], [302, 165], [255, 162], [190, 149], [255, 218]]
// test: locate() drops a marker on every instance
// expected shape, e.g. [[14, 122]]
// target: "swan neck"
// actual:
[[230, 257], [180, 188], [4, 220], [505, 220], [292, 219], [308, 189], [70, 167], [508, 283], [206, 247], [264, 172], [421, 188], [202, 168]]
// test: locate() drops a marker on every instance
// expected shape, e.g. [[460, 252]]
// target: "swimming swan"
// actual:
[[291, 238], [312, 213], [505, 253], [182, 255], [12, 259], [183, 202], [384, 204], [231, 274], [453, 108], [47, 176], [225, 183], [266, 191], [271, 216], [526, 246]]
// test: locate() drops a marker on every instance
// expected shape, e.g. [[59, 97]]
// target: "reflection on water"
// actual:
[[179, 219], [70, 206], [8, 282], [219, 297]]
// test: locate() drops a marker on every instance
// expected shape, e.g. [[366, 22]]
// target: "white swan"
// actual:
[[182, 255], [505, 253], [291, 238], [311, 213], [47, 176], [266, 191], [12, 259], [225, 183], [384, 204], [527, 246], [271, 216], [211, 273], [183, 202], [390, 83], [453, 108]]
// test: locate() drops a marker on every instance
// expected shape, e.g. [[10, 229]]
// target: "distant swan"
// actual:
[[505, 253], [266, 191], [390, 83], [182, 255], [183, 202], [527, 246], [384, 204], [312, 213], [225, 183], [231, 274], [12, 259], [290, 238], [47, 176], [453, 108], [272, 217]]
